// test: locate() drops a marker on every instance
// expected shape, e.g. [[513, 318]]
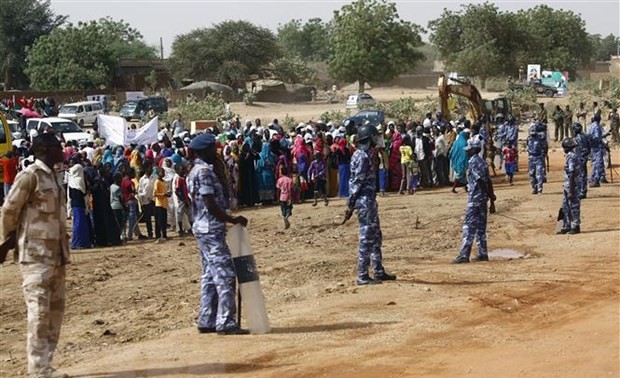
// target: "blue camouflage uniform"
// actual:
[[362, 196], [595, 134], [475, 224], [536, 164], [582, 152], [217, 299], [571, 203]]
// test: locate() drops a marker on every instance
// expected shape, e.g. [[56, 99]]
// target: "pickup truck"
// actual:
[[538, 87]]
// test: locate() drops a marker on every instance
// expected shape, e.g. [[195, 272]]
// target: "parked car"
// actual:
[[538, 87], [82, 113], [134, 109], [355, 100], [375, 117], [65, 128]]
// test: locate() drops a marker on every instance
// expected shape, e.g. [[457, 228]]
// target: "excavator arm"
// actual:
[[463, 89]]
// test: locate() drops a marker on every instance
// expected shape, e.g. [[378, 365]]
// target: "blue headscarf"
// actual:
[[458, 156]]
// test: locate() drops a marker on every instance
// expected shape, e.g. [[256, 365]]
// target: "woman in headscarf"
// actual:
[[301, 158], [332, 165], [265, 169], [233, 176], [97, 157], [395, 170], [247, 177], [80, 237], [119, 157], [168, 177], [343, 156], [108, 157], [135, 161], [458, 160]]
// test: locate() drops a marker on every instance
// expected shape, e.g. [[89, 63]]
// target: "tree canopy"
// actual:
[[479, 40], [604, 47], [229, 50], [370, 42], [21, 23], [85, 55], [308, 41]]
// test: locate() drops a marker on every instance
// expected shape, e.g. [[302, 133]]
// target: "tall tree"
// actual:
[[309, 41], [21, 23], [604, 48], [85, 55], [240, 46], [557, 39], [477, 40], [370, 42]]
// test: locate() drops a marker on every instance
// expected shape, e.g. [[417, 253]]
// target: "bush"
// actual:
[[495, 84], [194, 110], [334, 116], [289, 122], [249, 98]]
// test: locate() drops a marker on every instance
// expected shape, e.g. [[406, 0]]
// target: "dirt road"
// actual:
[[555, 313]]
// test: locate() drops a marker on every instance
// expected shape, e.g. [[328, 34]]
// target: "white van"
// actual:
[[65, 128], [84, 112]]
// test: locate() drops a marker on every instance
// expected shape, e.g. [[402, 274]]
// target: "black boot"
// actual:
[[316, 201]]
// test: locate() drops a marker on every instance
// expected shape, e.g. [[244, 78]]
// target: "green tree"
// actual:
[[151, 80], [308, 41], [604, 48], [369, 42], [21, 23], [476, 40], [83, 56], [200, 54], [556, 39], [291, 70]]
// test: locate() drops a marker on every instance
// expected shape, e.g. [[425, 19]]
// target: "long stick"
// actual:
[[238, 306]]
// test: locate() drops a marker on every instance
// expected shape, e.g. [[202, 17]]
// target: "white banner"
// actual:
[[145, 135], [112, 129]]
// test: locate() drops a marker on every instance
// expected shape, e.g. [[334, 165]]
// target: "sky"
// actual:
[[166, 19]]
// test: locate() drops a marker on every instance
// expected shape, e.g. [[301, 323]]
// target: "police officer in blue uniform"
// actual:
[[583, 152], [363, 198], [217, 299], [571, 203], [479, 191], [536, 144], [595, 134]]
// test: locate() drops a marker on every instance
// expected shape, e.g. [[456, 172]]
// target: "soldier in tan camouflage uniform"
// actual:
[[33, 220]]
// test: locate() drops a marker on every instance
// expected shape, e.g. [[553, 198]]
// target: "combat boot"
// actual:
[[604, 181], [595, 184], [316, 201], [460, 260], [366, 280], [385, 277], [575, 230]]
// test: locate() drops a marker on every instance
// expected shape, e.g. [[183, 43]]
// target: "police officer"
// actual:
[[217, 305], [570, 200], [595, 134], [363, 197], [535, 150], [479, 191], [33, 221], [583, 151]]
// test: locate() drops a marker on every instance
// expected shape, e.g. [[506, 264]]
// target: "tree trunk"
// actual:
[[360, 85], [483, 82]]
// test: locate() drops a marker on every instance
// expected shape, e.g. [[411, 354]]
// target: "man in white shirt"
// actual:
[[145, 196], [89, 150], [178, 126], [442, 164]]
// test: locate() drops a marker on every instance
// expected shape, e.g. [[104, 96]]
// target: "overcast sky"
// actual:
[[168, 18]]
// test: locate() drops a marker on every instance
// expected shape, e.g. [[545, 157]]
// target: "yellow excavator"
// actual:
[[478, 107]]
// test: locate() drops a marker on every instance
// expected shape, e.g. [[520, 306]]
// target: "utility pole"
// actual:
[[161, 48]]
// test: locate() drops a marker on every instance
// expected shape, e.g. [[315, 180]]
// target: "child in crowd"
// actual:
[[415, 173], [406, 153], [490, 152], [285, 185], [181, 198], [510, 161], [117, 205], [317, 173], [161, 194]]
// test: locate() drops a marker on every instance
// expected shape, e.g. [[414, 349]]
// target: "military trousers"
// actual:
[[370, 237], [218, 283], [44, 293], [475, 228]]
